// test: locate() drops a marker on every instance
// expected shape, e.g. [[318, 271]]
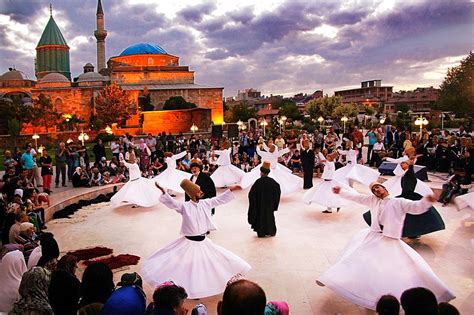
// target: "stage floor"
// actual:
[[286, 266]]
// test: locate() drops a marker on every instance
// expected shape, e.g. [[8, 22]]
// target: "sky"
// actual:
[[279, 47]]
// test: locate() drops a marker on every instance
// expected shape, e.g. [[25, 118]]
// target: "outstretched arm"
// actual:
[[223, 198], [179, 155], [283, 151], [399, 160], [419, 206], [354, 196], [166, 199]]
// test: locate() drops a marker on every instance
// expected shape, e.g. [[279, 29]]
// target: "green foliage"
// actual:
[[14, 127], [369, 110], [282, 102], [13, 110], [177, 102], [402, 107], [145, 103], [323, 106], [105, 137], [113, 105], [241, 112], [457, 89], [349, 110], [290, 110]]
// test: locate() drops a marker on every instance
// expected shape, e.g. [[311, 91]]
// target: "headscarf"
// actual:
[[277, 308], [49, 249], [97, 284], [128, 300], [34, 293], [142, 144], [12, 268]]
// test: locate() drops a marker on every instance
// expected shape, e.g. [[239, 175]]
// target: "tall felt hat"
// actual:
[[306, 143], [191, 189], [272, 148], [196, 163], [226, 144], [265, 167]]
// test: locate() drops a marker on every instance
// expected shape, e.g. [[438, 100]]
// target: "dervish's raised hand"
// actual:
[[236, 187], [432, 198], [159, 187], [336, 189]]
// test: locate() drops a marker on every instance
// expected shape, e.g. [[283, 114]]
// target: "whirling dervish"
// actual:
[[226, 174], [406, 185], [322, 193], [138, 190], [288, 182], [353, 171], [171, 177]]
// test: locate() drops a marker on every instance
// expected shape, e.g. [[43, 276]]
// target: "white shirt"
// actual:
[[197, 218], [379, 146], [388, 212], [133, 170], [224, 156], [329, 169]]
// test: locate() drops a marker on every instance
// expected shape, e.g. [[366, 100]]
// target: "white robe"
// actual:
[[465, 201], [394, 184], [226, 174], [12, 268], [282, 175], [354, 171], [171, 178], [138, 190], [377, 262], [201, 267]]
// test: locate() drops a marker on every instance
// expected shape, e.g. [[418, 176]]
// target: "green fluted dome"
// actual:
[[52, 35]]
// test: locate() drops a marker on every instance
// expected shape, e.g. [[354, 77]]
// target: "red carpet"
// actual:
[[115, 262], [89, 253]]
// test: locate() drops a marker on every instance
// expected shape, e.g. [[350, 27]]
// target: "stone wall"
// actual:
[[176, 121]]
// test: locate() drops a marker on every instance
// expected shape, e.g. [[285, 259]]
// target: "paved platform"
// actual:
[[286, 266]]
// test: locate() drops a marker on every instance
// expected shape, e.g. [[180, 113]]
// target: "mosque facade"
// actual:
[[142, 69]]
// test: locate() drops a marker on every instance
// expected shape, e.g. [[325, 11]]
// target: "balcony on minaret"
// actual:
[[100, 35]]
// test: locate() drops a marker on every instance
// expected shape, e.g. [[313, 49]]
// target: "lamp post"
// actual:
[[108, 130], [282, 122], [264, 124], [194, 128], [320, 120], [344, 120], [36, 137], [83, 137], [442, 120], [421, 121]]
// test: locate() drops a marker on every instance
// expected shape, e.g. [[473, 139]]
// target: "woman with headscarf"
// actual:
[[97, 284], [34, 293], [12, 268], [144, 155], [49, 252], [64, 289], [80, 178]]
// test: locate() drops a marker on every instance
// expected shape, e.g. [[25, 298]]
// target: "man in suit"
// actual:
[[307, 162], [203, 180]]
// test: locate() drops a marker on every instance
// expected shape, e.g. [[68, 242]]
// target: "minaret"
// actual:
[[52, 51], [100, 34]]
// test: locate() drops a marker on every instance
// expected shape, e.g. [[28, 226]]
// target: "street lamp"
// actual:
[[421, 121], [320, 120], [83, 137], [194, 128], [382, 120], [69, 141], [344, 120], [264, 124], [442, 121], [282, 121], [242, 127], [36, 137], [108, 130]]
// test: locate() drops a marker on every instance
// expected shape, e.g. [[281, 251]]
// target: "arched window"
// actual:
[[58, 104]]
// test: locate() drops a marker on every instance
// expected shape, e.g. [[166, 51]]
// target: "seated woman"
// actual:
[[80, 178]]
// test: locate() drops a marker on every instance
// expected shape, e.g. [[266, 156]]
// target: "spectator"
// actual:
[[33, 293], [277, 308], [27, 239], [296, 162], [96, 178], [14, 230], [99, 150], [46, 164], [97, 284], [447, 309], [49, 252], [80, 178], [242, 297], [115, 148], [419, 301], [388, 305], [371, 134], [151, 144], [168, 299], [127, 300], [61, 157], [12, 268], [27, 163], [64, 289]]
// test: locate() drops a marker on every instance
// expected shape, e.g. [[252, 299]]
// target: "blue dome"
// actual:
[[143, 48]]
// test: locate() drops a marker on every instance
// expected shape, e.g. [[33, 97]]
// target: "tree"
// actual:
[[290, 110], [177, 102], [241, 112], [457, 90], [13, 110], [44, 113], [323, 106], [14, 128], [113, 105], [349, 110]]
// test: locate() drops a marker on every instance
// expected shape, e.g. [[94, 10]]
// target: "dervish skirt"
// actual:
[[465, 201], [322, 194], [226, 175], [141, 192], [357, 172], [373, 265], [202, 268], [282, 175], [171, 179]]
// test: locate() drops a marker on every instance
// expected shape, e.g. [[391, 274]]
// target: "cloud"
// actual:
[[196, 13]]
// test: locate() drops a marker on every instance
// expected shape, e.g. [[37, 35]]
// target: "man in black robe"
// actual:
[[264, 198], [307, 163], [203, 180]]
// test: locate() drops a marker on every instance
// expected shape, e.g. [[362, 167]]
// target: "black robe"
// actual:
[[307, 162], [415, 225], [264, 198], [207, 186]]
